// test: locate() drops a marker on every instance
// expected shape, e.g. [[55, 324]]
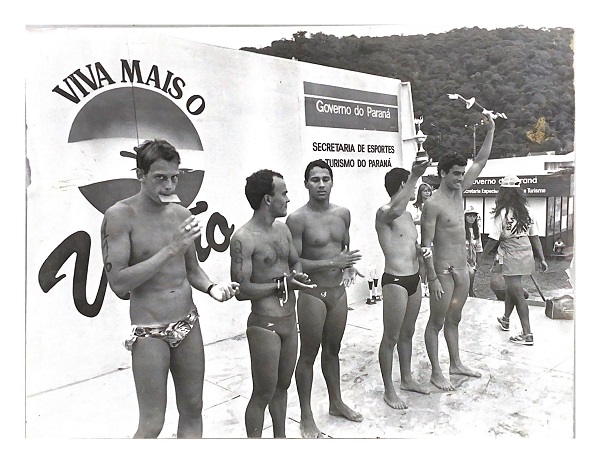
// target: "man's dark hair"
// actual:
[[151, 151], [317, 163], [448, 160], [258, 185], [394, 179]]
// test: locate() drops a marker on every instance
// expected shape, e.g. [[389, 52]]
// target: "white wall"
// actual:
[[254, 118]]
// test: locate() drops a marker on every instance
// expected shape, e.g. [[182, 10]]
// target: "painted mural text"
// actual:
[[92, 77], [79, 243]]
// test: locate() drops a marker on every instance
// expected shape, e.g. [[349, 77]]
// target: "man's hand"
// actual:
[[435, 289], [419, 168], [544, 265], [224, 291], [349, 276], [187, 232], [426, 252], [489, 123], [346, 258], [298, 281]]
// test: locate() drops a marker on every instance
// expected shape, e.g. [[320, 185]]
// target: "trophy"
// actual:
[[471, 102], [420, 137]]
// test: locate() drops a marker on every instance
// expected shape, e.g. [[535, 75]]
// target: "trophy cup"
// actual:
[[471, 102], [420, 137]]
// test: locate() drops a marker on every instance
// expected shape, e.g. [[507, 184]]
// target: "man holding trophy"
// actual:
[[443, 231]]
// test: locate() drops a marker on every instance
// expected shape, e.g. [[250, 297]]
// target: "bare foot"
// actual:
[[440, 382], [463, 370], [394, 401], [412, 385], [345, 412], [309, 430]]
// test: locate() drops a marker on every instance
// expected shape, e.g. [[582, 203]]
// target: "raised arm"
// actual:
[[397, 205], [116, 250], [482, 156]]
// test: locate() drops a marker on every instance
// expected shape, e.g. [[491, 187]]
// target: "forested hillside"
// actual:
[[525, 73]]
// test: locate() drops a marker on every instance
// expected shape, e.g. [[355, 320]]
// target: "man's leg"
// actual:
[[407, 332], [514, 291], [265, 346], [437, 315], [453, 317], [187, 368], [311, 318], [287, 363], [333, 331], [394, 306], [150, 365]]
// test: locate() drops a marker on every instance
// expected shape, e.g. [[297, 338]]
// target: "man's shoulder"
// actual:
[[120, 209], [339, 210], [298, 216]]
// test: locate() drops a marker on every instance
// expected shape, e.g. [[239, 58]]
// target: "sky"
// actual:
[[237, 23]]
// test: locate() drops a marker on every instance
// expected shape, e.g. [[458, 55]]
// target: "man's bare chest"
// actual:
[[271, 248], [322, 230], [150, 234]]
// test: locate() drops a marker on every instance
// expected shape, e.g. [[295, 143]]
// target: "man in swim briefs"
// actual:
[[266, 265], [320, 231], [443, 231], [400, 283], [148, 252]]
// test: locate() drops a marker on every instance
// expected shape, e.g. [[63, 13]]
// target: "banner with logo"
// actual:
[[93, 94]]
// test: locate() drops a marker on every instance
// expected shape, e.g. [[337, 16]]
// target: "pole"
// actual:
[[474, 140]]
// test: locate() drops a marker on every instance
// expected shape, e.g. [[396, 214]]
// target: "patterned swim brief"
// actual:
[[173, 333]]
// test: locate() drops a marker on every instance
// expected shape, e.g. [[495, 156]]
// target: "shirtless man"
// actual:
[[320, 231], [266, 265], [443, 225], [148, 252], [400, 283]]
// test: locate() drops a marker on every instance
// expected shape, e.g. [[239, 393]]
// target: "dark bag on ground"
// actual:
[[560, 308]]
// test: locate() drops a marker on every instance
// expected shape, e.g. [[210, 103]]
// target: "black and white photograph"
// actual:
[[304, 229]]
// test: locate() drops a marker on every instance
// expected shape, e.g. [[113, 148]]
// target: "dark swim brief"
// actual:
[[173, 333], [410, 283], [330, 296], [283, 326]]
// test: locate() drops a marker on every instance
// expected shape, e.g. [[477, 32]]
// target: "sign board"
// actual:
[[92, 94], [533, 185]]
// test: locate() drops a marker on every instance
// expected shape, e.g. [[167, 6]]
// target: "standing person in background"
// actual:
[[321, 234], [423, 194], [473, 243], [515, 232]]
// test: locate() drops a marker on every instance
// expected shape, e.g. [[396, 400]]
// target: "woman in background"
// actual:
[[423, 193], [473, 243], [516, 233]]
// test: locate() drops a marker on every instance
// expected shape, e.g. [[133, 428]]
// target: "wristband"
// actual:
[[210, 287], [433, 279]]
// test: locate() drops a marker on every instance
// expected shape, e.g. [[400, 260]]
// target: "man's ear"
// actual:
[[139, 173], [267, 199]]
